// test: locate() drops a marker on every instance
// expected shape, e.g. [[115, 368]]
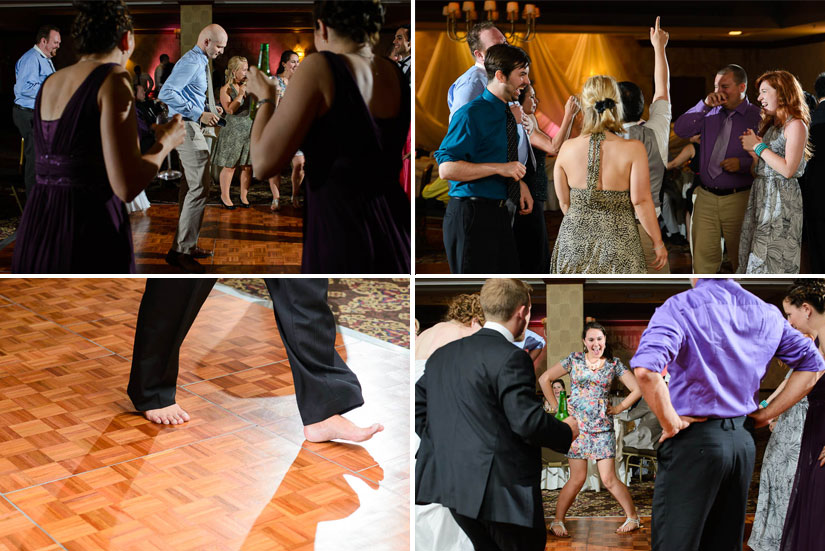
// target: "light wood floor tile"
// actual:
[[66, 420], [246, 490], [26, 337], [19, 533]]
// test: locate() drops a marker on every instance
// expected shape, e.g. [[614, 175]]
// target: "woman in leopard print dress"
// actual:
[[598, 234]]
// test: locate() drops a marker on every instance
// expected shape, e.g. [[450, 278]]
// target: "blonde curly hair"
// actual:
[[601, 93], [465, 308]]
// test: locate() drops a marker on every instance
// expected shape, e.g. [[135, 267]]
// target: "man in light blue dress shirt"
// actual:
[[472, 83], [30, 72], [185, 92]]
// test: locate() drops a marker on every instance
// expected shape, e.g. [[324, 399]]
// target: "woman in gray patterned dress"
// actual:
[[771, 237], [232, 149], [598, 234], [776, 478]]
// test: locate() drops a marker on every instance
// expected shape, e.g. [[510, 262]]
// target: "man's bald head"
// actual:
[[212, 40]]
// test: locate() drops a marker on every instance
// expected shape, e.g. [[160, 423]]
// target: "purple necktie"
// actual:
[[720, 147]]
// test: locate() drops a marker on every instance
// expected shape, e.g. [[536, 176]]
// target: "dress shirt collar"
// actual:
[[480, 66], [500, 328], [41, 52], [200, 51], [492, 98], [742, 108], [712, 280]]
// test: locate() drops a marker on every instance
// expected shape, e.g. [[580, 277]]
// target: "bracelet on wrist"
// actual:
[[763, 404], [659, 247], [759, 149], [265, 101]]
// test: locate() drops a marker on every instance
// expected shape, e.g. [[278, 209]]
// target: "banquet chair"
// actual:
[[635, 457]]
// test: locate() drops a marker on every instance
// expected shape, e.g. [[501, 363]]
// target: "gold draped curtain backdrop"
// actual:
[[561, 63]]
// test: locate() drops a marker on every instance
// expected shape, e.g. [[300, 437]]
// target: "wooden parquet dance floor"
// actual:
[[79, 470], [599, 534], [243, 241]]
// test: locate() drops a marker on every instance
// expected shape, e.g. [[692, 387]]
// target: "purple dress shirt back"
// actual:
[[717, 341], [707, 121]]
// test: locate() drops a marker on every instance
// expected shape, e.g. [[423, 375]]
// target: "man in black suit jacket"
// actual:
[[813, 184], [482, 428], [325, 387]]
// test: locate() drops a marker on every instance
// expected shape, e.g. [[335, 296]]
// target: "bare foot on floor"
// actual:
[[170, 415], [339, 428]]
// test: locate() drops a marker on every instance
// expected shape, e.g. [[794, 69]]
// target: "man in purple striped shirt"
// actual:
[[725, 168], [716, 341]]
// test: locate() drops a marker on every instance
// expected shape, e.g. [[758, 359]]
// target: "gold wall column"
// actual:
[[565, 319], [193, 18]]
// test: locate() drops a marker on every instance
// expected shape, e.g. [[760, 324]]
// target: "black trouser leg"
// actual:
[[530, 233], [23, 120], [500, 536], [324, 385], [478, 238], [702, 487], [167, 311]]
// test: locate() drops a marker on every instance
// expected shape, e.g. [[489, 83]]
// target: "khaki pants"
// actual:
[[650, 255], [194, 188], [715, 217]]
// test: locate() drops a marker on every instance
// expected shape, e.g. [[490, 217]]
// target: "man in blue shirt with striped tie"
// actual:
[[185, 92], [30, 72], [479, 157]]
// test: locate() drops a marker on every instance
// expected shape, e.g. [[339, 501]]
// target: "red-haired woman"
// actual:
[[772, 228]]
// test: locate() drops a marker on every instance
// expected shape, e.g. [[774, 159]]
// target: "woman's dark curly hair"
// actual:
[[811, 291], [99, 25], [284, 58], [359, 21]]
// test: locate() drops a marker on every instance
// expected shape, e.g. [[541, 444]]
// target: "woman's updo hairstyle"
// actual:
[[811, 291], [602, 105], [360, 21], [98, 26], [466, 308]]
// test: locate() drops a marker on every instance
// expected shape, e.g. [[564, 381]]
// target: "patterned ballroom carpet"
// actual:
[[602, 504], [379, 308]]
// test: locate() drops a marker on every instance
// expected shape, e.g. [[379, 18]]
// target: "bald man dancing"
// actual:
[[185, 92]]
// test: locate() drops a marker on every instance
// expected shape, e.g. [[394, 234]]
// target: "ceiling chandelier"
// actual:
[[453, 11]]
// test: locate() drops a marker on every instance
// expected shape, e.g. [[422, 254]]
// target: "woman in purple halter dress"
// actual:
[[349, 112], [87, 160], [804, 529]]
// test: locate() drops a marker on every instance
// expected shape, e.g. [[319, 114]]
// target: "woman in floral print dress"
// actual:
[[591, 374]]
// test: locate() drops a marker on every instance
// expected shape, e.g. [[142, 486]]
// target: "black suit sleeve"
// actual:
[[421, 404], [517, 394]]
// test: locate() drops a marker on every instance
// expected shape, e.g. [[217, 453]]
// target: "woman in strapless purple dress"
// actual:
[[87, 160], [349, 111], [804, 530]]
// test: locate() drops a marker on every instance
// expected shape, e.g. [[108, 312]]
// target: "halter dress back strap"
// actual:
[[594, 160]]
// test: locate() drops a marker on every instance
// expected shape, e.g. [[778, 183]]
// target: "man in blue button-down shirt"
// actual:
[[478, 232], [30, 71], [473, 81], [185, 92]]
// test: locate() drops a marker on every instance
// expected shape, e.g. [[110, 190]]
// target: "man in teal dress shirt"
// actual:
[[478, 233], [30, 72]]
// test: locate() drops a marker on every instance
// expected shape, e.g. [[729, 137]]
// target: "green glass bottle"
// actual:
[[562, 414], [263, 66]]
